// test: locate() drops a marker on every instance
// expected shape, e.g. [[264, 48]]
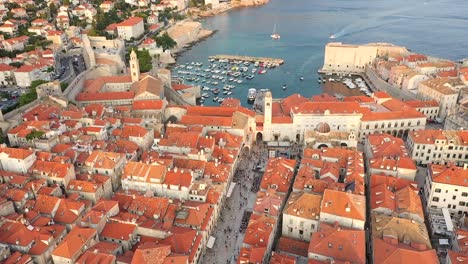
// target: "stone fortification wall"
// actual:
[[349, 58], [379, 84]]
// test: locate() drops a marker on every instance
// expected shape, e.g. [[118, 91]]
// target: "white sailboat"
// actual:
[[275, 35]]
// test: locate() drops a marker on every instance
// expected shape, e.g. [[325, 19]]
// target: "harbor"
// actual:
[[226, 76]]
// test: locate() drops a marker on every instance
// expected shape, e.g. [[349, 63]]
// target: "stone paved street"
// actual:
[[228, 238]]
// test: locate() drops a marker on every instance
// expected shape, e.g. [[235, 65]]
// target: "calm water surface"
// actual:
[[438, 28]]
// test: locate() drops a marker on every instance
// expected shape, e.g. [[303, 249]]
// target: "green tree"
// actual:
[[63, 86], [52, 9], [165, 41], [34, 134], [31, 95], [17, 64], [66, 2], [144, 59], [2, 136]]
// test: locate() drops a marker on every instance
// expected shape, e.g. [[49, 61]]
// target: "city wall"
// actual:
[[378, 83]]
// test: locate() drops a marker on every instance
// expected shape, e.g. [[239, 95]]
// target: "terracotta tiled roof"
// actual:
[[448, 174], [148, 105], [303, 205], [259, 230], [251, 255], [105, 96], [269, 201], [340, 245], [293, 246], [96, 257], [73, 242], [400, 230], [421, 104], [153, 253], [387, 253], [142, 172], [385, 145], [459, 137], [278, 258], [332, 107], [46, 204], [130, 22], [14, 153], [344, 204], [118, 231]]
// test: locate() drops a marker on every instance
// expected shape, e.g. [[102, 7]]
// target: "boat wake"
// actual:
[[355, 29], [378, 20]]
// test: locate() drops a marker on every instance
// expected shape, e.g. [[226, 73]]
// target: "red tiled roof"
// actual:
[[148, 105], [293, 246], [119, 231], [387, 253], [106, 96], [130, 22], [450, 174], [339, 244], [73, 242]]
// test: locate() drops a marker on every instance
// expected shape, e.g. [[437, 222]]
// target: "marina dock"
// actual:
[[247, 58]]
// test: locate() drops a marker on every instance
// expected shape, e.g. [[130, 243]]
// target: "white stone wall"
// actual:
[[342, 221], [452, 197], [441, 152], [293, 224]]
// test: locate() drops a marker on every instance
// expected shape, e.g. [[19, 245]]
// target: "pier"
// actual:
[[247, 58]]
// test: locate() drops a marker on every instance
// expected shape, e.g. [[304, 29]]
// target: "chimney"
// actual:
[[348, 207]]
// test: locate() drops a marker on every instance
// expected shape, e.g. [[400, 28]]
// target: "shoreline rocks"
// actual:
[[248, 3]]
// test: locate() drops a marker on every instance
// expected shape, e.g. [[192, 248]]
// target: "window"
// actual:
[[435, 199], [290, 230], [301, 232], [462, 203], [464, 194], [438, 190], [454, 197]]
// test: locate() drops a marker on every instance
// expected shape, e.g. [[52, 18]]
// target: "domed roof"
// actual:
[[323, 128]]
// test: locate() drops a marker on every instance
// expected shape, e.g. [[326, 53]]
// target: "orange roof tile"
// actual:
[[303, 205], [119, 231], [104, 96], [148, 105], [339, 244], [293, 246], [259, 230], [387, 253], [73, 242], [331, 107], [344, 204], [15, 153], [278, 258], [130, 22], [450, 174]]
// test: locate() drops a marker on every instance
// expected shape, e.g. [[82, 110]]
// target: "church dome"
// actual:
[[323, 128]]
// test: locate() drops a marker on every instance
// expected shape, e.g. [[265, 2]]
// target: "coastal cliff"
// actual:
[[187, 32], [245, 3]]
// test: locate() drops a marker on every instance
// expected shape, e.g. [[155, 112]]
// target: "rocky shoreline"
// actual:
[[184, 34]]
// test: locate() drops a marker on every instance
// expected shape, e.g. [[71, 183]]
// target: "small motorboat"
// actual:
[[285, 86], [301, 78]]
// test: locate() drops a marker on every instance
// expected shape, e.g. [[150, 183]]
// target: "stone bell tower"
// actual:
[[134, 67]]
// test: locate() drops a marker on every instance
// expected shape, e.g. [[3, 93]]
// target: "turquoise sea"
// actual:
[[437, 28]]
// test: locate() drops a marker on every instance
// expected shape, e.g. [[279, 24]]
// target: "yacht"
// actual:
[[275, 35], [252, 94]]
